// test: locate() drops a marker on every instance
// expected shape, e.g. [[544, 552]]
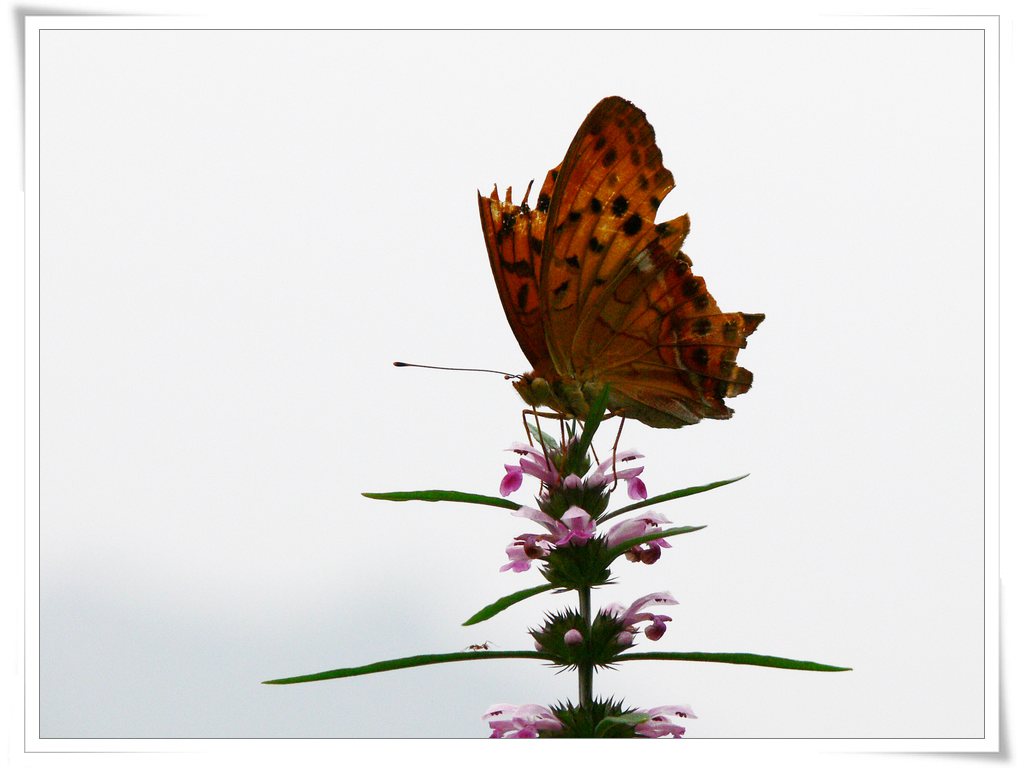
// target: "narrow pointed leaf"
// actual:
[[409, 661], [630, 543], [751, 659], [501, 604], [590, 426], [466, 498], [669, 496]]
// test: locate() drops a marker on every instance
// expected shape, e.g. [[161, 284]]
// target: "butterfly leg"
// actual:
[[536, 418], [537, 415], [615, 449]]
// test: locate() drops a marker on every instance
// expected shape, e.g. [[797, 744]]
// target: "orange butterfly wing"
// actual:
[[608, 297], [515, 238]]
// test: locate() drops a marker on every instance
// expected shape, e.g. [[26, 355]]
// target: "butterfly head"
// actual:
[[564, 395]]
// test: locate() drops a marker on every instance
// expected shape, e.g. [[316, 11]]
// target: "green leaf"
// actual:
[[543, 437], [630, 543], [629, 719], [669, 496], [593, 421], [500, 605], [466, 498], [752, 659], [409, 661]]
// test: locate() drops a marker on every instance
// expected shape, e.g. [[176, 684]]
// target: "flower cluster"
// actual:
[[531, 721], [537, 463], [567, 493]]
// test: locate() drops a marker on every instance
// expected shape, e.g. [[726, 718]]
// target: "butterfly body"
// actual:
[[599, 294]]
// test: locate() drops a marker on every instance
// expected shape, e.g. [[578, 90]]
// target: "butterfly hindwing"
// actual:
[[514, 235], [658, 332]]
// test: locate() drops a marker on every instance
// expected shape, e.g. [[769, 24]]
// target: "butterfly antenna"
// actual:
[[398, 364]]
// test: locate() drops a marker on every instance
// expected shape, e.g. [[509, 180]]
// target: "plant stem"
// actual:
[[586, 669]]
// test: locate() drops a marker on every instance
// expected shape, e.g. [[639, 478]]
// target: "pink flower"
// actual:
[[647, 553], [634, 528], [535, 463], [555, 527], [575, 527], [580, 527], [523, 550], [635, 488], [509, 721], [659, 723], [632, 616], [634, 485], [512, 480]]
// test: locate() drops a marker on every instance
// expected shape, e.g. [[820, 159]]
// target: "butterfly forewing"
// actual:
[[602, 215]]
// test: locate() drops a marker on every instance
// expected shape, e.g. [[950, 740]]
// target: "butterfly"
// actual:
[[599, 294]]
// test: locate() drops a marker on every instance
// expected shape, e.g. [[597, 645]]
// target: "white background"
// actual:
[[239, 232]]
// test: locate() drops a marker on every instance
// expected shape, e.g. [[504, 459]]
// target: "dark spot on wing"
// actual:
[[633, 224], [523, 296], [518, 268]]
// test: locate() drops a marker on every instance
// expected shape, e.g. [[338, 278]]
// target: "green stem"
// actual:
[[586, 669]]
